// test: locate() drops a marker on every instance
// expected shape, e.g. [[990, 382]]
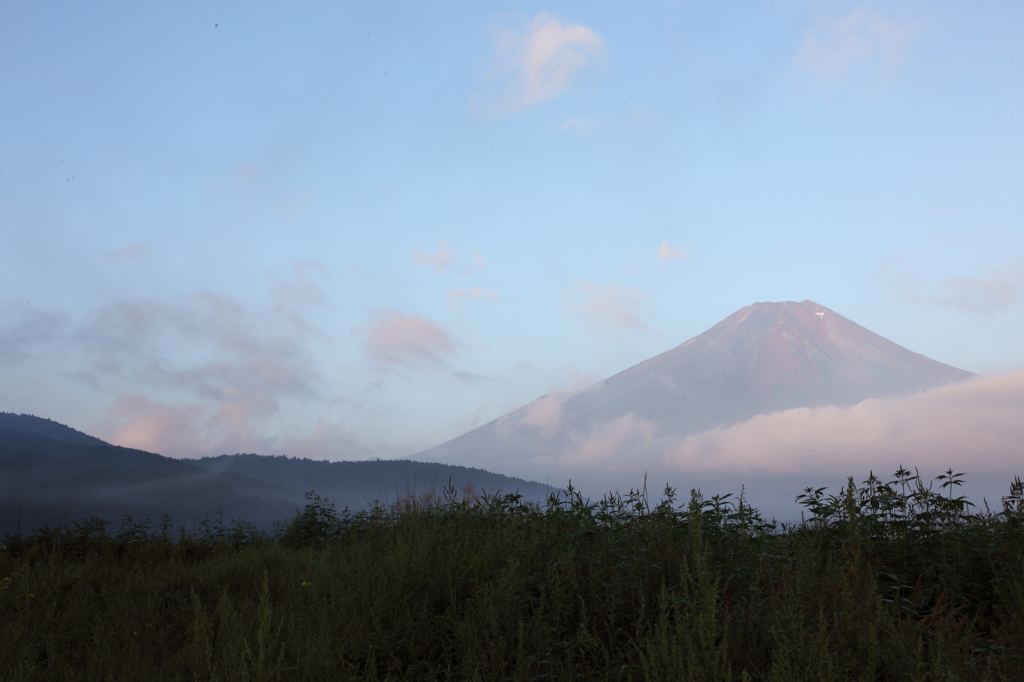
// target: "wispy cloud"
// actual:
[[29, 332], [543, 417], [443, 260], [196, 429], [135, 421], [293, 298], [475, 265], [605, 443], [394, 338], [333, 442], [642, 119], [578, 126], [247, 181], [207, 373], [475, 292], [981, 294], [204, 363], [209, 352], [540, 61], [832, 48], [999, 290], [972, 424], [472, 420], [574, 379], [608, 308], [130, 252], [295, 202], [472, 378], [666, 252]]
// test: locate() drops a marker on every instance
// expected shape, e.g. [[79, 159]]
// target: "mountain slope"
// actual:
[[52, 474], [357, 483], [57, 482], [761, 359], [47, 428]]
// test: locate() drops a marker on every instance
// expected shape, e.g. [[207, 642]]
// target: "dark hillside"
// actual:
[[46, 427], [47, 481], [51, 474], [357, 483]]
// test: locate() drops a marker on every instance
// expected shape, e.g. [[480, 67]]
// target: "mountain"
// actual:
[[355, 484], [44, 481], [47, 428], [761, 359], [52, 474]]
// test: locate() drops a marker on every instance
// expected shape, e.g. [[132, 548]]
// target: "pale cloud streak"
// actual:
[[981, 294], [197, 429], [443, 260], [135, 421], [475, 292], [475, 265], [541, 60], [835, 46], [608, 308], [578, 126], [30, 332], [973, 424], [205, 364], [245, 178], [129, 252], [221, 371], [544, 414], [542, 419], [236, 349], [605, 444], [295, 202], [642, 119], [332, 442], [666, 252], [394, 338], [999, 290]]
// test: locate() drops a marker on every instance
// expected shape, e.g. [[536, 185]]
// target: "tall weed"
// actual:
[[886, 580]]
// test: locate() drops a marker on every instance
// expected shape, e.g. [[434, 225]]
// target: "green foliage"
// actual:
[[317, 523], [882, 581]]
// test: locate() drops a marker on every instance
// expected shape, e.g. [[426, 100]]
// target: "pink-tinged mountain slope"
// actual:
[[763, 358]]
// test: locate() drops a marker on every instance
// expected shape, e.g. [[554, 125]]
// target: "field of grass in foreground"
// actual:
[[883, 581]]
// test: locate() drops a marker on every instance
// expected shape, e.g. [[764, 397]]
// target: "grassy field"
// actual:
[[889, 580]]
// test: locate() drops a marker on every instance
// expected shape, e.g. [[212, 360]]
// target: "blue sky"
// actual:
[[350, 230]]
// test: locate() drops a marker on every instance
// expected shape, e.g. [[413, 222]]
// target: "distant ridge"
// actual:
[[54, 475], [44, 481], [354, 482], [47, 428]]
